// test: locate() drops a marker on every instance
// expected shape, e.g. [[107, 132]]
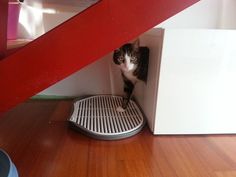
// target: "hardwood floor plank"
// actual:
[[225, 174], [135, 168], [62, 112], [71, 159], [37, 137], [227, 146], [209, 154], [155, 156], [182, 160]]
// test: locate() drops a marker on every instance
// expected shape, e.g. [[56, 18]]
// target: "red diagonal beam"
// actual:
[[77, 43]]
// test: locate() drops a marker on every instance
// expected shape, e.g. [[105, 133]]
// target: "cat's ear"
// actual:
[[136, 44], [117, 50]]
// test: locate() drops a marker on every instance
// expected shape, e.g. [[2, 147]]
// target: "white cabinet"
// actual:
[[197, 83]]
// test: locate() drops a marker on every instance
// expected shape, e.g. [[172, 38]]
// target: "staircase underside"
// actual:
[[78, 42]]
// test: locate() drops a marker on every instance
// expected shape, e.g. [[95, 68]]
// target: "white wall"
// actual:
[[206, 14], [228, 15], [93, 79], [197, 88]]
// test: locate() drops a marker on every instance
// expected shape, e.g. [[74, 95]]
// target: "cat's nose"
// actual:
[[126, 65]]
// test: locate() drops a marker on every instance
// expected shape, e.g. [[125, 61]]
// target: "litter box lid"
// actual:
[[96, 116]]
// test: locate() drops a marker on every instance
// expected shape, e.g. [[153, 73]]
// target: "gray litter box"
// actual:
[[96, 116]]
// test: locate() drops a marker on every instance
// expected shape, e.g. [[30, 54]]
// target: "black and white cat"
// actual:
[[133, 63]]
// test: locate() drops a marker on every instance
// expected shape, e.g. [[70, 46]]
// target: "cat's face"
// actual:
[[127, 56]]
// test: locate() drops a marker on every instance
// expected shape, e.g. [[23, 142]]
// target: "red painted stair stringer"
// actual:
[[77, 43]]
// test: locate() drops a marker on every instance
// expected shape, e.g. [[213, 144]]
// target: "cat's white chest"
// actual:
[[129, 73]]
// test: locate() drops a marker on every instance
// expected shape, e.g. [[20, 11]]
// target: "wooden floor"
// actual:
[[37, 137]]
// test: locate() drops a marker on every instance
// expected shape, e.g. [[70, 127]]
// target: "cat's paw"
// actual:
[[120, 109]]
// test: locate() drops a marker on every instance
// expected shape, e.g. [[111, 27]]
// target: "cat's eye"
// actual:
[[134, 59], [120, 59]]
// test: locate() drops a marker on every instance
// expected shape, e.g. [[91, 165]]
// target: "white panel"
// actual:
[[93, 79], [197, 86], [146, 94]]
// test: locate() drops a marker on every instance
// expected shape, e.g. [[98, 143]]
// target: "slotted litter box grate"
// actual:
[[96, 116]]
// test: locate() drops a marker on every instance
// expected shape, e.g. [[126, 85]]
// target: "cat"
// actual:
[[133, 63]]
